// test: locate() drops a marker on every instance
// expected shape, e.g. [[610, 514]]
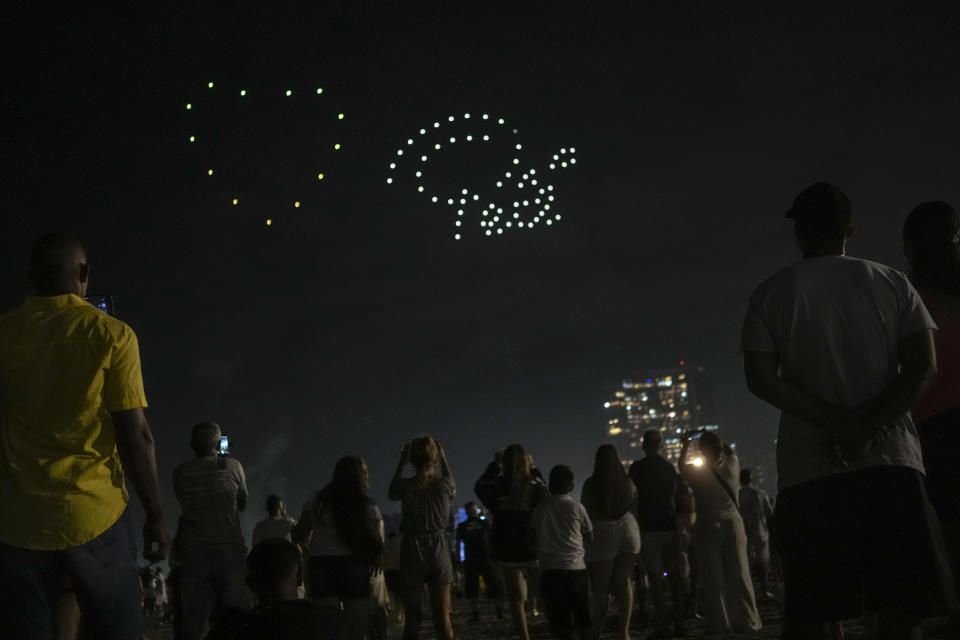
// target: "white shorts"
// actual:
[[614, 537]]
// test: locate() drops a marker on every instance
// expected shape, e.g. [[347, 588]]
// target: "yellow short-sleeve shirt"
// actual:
[[64, 367]]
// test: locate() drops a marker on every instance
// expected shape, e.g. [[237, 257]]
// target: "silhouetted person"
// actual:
[[72, 429], [844, 347], [756, 509], [611, 499], [345, 530], [930, 237], [425, 554], [562, 528], [719, 537], [659, 488], [212, 491], [277, 524], [510, 492], [474, 533], [274, 576]]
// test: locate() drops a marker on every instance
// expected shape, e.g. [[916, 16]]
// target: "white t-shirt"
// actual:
[[560, 523], [836, 323], [208, 489], [713, 500], [272, 528], [326, 539]]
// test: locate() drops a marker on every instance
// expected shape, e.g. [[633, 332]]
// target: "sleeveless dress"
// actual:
[[425, 548]]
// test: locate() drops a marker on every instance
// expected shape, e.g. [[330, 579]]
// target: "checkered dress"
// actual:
[[425, 550]]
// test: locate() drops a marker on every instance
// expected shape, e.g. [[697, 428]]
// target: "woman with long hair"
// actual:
[[611, 498], [510, 492], [425, 549], [343, 529], [930, 242]]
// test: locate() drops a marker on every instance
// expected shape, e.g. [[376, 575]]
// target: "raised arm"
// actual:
[[301, 531], [762, 370], [445, 471], [136, 447], [396, 483]]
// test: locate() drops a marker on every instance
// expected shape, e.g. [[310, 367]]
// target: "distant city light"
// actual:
[[209, 172], [269, 222], [319, 176], [235, 201], [289, 93], [210, 85], [297, 204]]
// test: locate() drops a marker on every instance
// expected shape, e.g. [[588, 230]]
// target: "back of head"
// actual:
[[205, 438], [611, 486], [471, 509], [823, 216], [272, 566], [424, 452], [55, 262], [746, 477], [516, 470], [652, 440], [561, 479], [274, 502], [930, 235], [346, 498]]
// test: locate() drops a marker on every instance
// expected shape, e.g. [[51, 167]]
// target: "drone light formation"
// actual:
[[202, 108], [521, 188]]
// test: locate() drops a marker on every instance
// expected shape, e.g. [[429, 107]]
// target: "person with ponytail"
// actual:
[[930, 242], [343, 529], [425, 550], [510, 492]]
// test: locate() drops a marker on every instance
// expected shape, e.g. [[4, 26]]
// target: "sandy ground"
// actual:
[[490, 627]]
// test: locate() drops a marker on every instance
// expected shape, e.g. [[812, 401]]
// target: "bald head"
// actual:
[[58, 265]]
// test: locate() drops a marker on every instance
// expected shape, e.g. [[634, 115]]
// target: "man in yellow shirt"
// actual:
[[72, 428]]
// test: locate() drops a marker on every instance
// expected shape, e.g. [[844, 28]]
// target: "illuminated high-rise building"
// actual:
[[671, 401]]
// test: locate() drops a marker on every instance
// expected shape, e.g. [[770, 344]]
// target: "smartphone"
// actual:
[[693, 447], [102, 301], [224, 446]]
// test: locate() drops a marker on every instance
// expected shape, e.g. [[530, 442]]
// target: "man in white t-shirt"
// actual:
[[277, 524], [844, 347], [209, 548]]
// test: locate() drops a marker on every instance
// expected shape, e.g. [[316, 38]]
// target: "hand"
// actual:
[[498, 455], [405, 452], [374, 569], [155, 531]]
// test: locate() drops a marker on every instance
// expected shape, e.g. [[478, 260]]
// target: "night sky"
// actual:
[[356, 321]]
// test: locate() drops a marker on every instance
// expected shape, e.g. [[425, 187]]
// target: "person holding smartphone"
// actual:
[[212, 490], [72, 431], [719, 537]]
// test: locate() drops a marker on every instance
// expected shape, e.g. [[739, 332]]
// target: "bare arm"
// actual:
[[301, 531], [762, 370], [444, 465], [136, 447], [918, 368], [396, 483]]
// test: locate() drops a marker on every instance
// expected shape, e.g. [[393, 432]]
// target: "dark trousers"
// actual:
[[565, 597]]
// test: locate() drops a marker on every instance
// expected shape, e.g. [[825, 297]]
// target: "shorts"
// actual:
[[471, 580], [612, 538], [341, 577], [866, 539], [102, 573]]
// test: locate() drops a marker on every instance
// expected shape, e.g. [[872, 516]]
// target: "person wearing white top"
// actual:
[[843, 348]]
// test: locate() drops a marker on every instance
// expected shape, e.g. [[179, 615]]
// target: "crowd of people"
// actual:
[[866, 520]]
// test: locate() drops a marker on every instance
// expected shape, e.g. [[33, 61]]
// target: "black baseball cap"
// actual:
[[822, 204]]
